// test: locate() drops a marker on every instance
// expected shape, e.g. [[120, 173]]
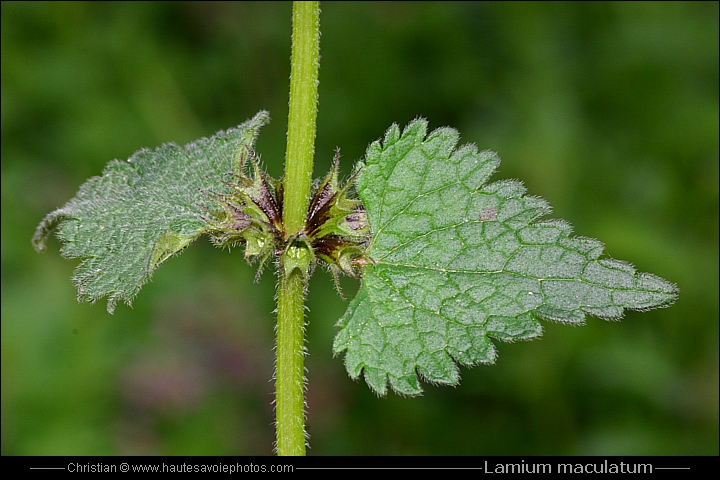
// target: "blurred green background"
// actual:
[[607, 110]]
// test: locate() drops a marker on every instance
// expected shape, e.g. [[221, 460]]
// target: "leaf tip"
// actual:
[[42, 232]]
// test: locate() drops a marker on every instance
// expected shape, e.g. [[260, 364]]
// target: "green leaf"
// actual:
[[454, 262], [142, 211]]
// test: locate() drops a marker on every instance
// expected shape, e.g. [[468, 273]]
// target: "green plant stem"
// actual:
[[305, 64], [290, 360], [290, 365]]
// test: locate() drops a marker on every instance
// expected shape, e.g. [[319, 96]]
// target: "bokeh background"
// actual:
[[607, 110]]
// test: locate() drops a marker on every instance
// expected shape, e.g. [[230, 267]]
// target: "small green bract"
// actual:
[[455, 262]]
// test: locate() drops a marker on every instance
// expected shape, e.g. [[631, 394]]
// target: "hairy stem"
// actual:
[[305, 64], [290, 366], [290, 361]]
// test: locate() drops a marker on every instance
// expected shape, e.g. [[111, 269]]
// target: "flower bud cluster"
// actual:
[[336, 231]]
